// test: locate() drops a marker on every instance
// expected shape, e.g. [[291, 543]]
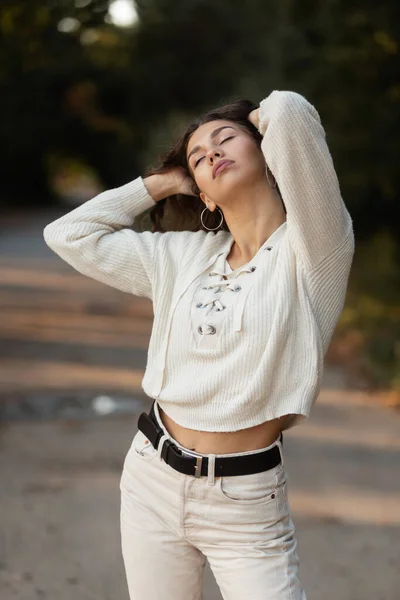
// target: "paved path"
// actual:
[[59, 503], [64, 336]]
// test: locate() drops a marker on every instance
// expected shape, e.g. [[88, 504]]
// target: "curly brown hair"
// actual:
[[181, 212]]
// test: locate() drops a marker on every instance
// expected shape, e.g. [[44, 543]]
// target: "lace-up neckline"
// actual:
[[221, 281], [225, 279]]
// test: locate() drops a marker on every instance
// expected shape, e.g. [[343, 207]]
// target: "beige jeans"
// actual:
[[172, 522]]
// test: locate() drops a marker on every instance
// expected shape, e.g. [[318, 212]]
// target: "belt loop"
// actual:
[[160, 446], [279, 443], [211, 469]]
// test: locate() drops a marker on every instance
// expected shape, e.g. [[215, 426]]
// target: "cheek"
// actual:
[[251, 152], [202, 179], [254, 159], [243, 151]]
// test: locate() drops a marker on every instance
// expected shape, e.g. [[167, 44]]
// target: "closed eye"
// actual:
[[225, 140], [197, 161], [228, 138]]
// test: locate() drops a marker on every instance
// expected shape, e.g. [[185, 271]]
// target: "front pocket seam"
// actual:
[[264, 498]]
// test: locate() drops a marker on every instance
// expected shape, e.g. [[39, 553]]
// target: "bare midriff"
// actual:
[[226, 442]]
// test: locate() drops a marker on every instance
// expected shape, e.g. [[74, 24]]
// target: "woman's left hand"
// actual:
[[253, 117]]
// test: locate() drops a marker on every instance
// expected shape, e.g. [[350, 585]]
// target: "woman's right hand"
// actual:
[[174, 181], [181, 182]]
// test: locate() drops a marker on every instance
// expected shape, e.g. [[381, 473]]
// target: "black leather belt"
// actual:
[[198, 465]]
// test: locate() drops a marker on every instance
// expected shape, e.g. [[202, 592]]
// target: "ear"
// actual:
[[207, 201]]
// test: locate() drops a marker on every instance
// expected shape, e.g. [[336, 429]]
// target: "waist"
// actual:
[[210, 442]]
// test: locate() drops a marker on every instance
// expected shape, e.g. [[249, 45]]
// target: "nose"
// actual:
[[214, 154]]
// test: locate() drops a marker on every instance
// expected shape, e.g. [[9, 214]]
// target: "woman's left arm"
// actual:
[[296, 152]]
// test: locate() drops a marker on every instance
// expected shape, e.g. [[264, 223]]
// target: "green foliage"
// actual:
[[187, 56], [373, 309]]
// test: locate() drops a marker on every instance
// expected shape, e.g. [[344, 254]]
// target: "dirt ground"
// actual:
[[60, 504], [59, 495]]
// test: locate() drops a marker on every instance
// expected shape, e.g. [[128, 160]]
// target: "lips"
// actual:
[[222, 164]]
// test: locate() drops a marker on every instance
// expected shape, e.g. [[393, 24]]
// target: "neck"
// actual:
[[252, 217]]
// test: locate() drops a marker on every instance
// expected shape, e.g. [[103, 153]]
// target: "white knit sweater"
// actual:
[[265, 357]]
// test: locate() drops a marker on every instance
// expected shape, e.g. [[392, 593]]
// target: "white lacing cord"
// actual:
[[231, 286]]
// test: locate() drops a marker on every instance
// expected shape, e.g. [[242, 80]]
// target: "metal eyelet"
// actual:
[[213, 329], [268, 248], [253, 269], [219, 309], [237, 288], [199, 305]]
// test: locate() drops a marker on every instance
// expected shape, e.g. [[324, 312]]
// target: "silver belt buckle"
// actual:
[[197, 467]]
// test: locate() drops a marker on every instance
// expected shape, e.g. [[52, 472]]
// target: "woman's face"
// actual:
[[218, 141]]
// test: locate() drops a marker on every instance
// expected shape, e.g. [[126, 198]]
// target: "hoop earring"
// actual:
[[211, 228], [273, 186]]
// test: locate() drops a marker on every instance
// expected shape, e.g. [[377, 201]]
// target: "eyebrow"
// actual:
[[213, 135]]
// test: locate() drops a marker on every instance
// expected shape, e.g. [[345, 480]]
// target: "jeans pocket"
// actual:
[[254, 488], [142, 447]]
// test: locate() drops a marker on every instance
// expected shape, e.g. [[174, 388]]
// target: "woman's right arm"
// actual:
[[95, 240]]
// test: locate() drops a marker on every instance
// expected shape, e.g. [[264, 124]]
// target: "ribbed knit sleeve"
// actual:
[[296, 151], [94, 239]]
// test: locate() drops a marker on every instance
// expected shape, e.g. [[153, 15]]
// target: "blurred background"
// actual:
[[92, 92]]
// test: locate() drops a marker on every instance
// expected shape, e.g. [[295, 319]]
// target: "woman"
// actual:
[[246, 294]]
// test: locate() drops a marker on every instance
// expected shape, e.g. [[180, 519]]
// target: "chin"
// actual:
[[237, 179]]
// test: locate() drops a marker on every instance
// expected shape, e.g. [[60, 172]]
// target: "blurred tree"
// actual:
[[72, 82], [59, 96]]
